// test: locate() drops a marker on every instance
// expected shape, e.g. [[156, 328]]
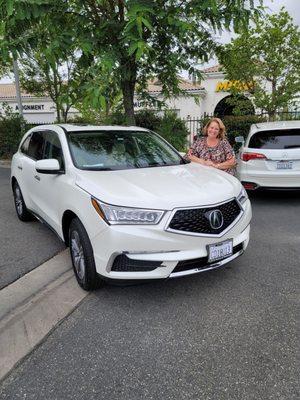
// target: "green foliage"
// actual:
[[240, 126], [125, 41], [169, 126], [11, 131], [174, 130], [148, 119], [267, 57], [46, 70]]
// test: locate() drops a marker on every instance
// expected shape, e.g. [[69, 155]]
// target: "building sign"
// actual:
[[145, 104], [225, 86], [31, 107]]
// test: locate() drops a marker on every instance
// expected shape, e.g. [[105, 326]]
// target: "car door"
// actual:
[[18, 169], [50, 187], [26, 163]]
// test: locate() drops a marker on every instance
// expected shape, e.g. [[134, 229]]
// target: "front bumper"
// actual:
[[154, 243]]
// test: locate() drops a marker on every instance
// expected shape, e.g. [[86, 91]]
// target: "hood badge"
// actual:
[[215, 219]]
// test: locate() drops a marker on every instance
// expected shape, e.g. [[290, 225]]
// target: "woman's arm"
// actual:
[[226, 164], [230, 160], [199, 160]]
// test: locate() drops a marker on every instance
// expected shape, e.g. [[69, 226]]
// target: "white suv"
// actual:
[[127, 203], [270, 156]]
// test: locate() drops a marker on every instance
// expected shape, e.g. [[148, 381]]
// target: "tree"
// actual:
[[58, 78], [267, 58], [47, 70], [135, 39]]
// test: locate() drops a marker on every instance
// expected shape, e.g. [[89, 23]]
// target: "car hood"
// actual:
[[164, 188]]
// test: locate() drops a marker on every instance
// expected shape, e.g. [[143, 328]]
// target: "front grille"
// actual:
[[195, 220], [124, 264], [200, 263]]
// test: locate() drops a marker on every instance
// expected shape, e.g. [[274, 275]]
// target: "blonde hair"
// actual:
[[222, 132]]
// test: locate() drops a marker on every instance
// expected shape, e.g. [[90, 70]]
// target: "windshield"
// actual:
[[114, 150], [277, 139]]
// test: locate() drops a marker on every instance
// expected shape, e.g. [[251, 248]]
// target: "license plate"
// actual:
[[284, 165], [220, 250]]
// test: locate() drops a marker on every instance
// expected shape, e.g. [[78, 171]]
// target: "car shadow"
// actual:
[[275, 196]]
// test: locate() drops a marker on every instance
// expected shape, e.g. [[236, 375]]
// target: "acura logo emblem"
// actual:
[[215, 218]]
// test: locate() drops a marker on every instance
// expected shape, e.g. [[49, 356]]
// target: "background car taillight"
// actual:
[[252, 156]]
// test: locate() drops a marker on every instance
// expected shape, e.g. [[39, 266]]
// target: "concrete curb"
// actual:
[[5, 163], [33, 305]]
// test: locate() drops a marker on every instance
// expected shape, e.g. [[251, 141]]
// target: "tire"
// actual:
[[21, 209], [82, 256]]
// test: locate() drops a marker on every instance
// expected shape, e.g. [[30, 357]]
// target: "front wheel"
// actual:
[[82, 256], [21, 209]]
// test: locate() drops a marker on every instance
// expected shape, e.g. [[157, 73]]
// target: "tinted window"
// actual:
[[112, 150], [24, 146], [35, 148], [52, 147], [277, 139]]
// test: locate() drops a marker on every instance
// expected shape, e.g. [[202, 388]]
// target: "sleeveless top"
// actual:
[[217, 154]]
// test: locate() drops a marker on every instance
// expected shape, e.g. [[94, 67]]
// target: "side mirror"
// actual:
[[239, 139], [50, 166]]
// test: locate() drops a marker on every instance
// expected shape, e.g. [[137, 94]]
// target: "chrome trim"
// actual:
[[213, 235], [150, 252], [210, 267]]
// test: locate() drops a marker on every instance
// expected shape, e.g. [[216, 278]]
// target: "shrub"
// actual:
[[174, 130], [148, 119], [169, 126], [12, 128], [240, 125]]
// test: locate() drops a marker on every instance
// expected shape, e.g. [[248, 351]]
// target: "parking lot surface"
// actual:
[[227, 334], [24, 246]]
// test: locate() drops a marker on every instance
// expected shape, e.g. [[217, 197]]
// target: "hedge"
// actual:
[[12, 128]]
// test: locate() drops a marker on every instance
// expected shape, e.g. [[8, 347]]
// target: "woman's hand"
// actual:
[[208, 163], [198, 160], [226, 164]]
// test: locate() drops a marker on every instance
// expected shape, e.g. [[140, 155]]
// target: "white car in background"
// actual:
[[127, 203], [270, 156]]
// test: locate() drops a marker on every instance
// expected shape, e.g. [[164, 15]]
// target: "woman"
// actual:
[[213, 149]]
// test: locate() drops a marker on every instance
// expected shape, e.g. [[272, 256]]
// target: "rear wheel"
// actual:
[[21, 209], [82, 256]]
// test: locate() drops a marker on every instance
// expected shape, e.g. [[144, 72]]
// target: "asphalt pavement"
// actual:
[[24, 246], [226, 334]]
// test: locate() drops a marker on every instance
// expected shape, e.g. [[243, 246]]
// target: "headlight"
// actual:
[[242, 197], [125, 215]]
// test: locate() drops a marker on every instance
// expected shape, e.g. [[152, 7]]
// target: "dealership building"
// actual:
[[207, 98]]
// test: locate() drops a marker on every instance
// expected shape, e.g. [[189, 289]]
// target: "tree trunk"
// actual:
[[128, 94], [128, 80], [57, 113]]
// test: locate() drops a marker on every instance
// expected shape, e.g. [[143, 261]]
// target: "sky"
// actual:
[[292, 6]]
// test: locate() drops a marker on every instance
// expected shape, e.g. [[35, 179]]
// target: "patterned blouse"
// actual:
[[217, 154]]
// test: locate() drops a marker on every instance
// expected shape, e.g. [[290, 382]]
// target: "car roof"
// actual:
[[265, 126], [86, 127]]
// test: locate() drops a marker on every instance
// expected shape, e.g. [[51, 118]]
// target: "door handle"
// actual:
[[37, 177], [19, 167]]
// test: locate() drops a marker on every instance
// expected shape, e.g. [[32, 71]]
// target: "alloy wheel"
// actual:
[[78, 255], [18, 200]]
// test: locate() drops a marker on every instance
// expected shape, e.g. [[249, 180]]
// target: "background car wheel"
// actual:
[[82, 256], [21, 209]]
